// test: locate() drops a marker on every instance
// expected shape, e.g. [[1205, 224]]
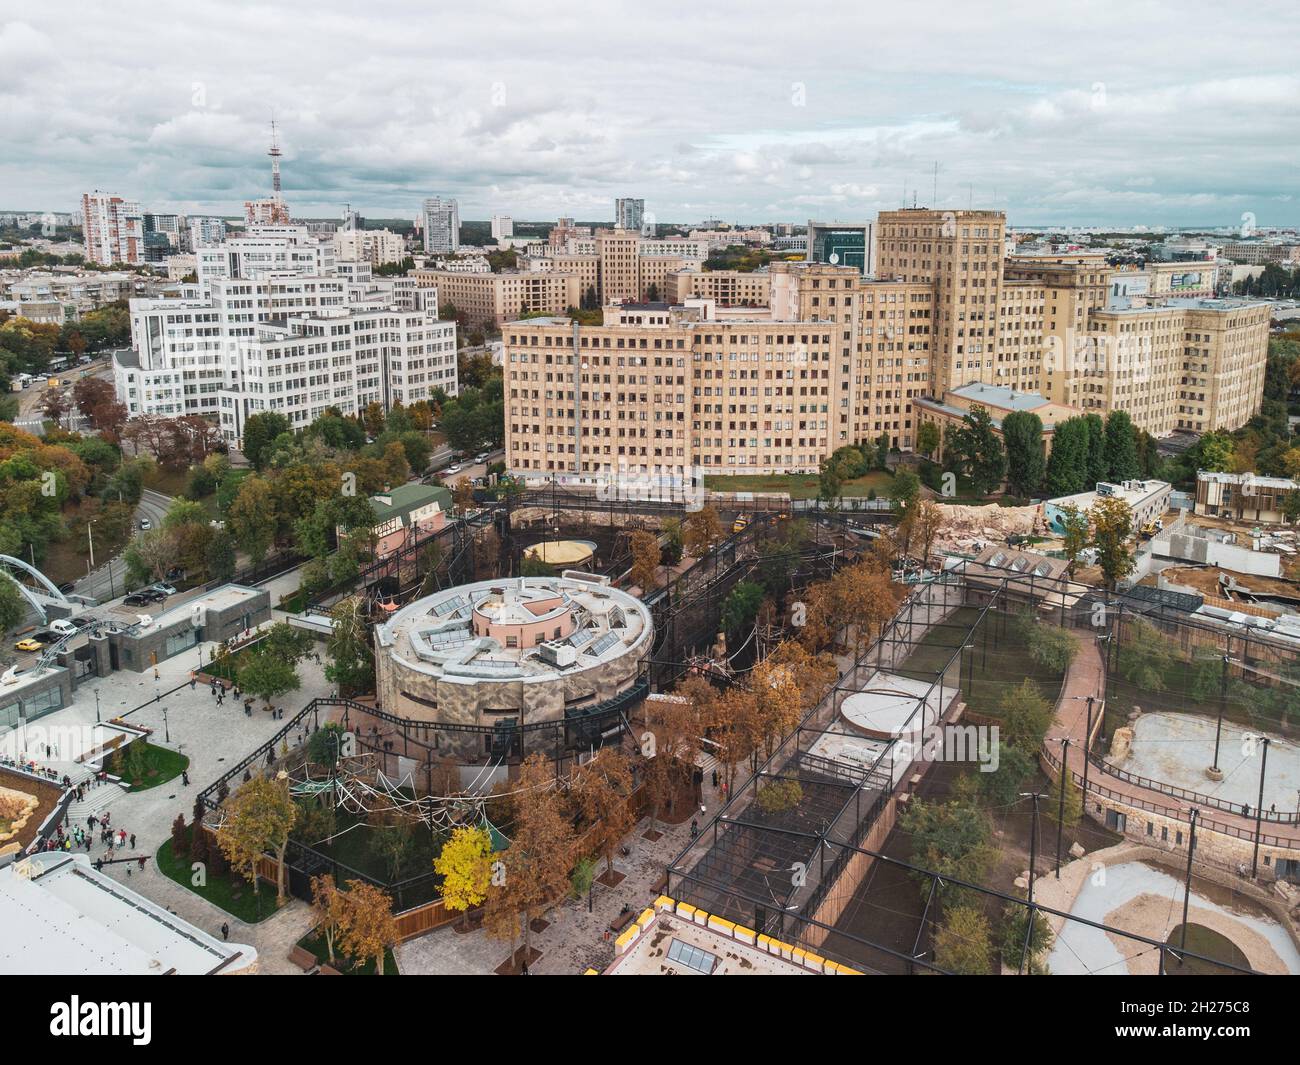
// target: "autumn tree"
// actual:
[[258, 818], [535, 867], [1075, 536], [602, 791], [351, 663], [330, 908], [645, 560], [700, 531], [465, 865], [668, 746], [369, 929]]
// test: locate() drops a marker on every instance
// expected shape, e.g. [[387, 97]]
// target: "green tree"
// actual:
[[220, 561], [1022, 433], [1112, 531], [13, 607], [963, 942], [1067, 466], [741, 607], [1076, 535], [975, 453], [268, 677], [1025, 715], [1015, 926], [927, 439], [1121, 447], [260, 431], [351, 662]]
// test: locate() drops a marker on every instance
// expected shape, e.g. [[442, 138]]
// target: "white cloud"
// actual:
[[1114, 112]]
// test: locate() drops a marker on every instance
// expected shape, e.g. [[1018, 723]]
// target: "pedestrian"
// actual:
[[193, 681], [185, 778], [133, 841], [121, 837], [225, 930], [141, 861], [695, 827], [715, 778]]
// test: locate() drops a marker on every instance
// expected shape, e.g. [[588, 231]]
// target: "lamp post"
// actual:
[[97, 721], [91, 540], [167, 736]]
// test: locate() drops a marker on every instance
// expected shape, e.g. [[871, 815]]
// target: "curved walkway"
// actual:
[[1087, 677]]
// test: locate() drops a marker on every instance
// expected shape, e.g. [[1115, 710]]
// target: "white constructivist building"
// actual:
[[276, 323]]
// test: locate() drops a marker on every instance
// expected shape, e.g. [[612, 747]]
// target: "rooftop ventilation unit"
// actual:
[[557, 654]]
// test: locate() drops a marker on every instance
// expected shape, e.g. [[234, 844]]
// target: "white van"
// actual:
[[63, 627]]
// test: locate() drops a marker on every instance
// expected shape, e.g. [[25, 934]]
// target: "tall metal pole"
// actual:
[[1187, 882], [1060, 812], [1087, 749], [1223, 701], [1259, 809], [1033, 855]]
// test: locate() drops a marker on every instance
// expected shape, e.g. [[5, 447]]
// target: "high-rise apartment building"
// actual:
[[112, 228], [205, 231], [441, 225], [503, 226], [629, 214]]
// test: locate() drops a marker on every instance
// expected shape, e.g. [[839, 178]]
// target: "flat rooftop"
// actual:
[[62, 918], [435, 635]]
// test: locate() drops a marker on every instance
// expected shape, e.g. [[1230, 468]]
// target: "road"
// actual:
[[107, 581], [30, 419]]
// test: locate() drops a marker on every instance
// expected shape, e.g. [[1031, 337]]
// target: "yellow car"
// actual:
[[29, 645], [739, 525]]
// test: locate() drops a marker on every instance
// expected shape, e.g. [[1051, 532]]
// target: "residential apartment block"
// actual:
[[267, 328], [112, 228], [441, 225], [486, 297]]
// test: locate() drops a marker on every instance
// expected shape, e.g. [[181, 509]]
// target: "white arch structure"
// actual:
[[8, 562]]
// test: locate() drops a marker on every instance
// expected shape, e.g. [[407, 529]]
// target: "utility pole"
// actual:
[[1033, 855], [1187, 881], [1062, 780], [91, 540], [1214, 772], [1259, 809]]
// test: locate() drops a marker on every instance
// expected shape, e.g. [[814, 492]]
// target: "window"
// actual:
[[692, 957]]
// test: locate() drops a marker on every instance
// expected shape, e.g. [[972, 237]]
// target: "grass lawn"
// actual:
[[159, 766], [797, 485], [230, 892], [315, 944]]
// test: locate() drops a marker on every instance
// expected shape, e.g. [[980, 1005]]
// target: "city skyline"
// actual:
[[797, 124]]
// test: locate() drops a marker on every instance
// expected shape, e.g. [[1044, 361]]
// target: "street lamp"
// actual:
[[97, 721], [1033, 854], [91, 540]]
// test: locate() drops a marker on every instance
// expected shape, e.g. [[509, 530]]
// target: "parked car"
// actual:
[[82, 622], [63, 627], [136, 600], [29, 644], [153, 595], [482, 456], [166, 589], [67, 586], [451, 471]]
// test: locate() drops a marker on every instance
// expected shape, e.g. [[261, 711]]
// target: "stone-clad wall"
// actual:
[[472, 701]]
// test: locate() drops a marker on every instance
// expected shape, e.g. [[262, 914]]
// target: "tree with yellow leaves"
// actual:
[[259, 817], [465, 865], [701, 530]]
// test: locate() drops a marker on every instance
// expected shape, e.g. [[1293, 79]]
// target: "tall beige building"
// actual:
[[960, 253], [771, 372]]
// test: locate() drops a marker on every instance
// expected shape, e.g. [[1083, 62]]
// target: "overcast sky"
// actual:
[[1129, 112]]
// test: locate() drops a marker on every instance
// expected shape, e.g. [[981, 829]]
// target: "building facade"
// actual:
[[441, 225], [112, 228]]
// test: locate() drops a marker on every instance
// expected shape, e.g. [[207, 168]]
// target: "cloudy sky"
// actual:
[[1101, 112]]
